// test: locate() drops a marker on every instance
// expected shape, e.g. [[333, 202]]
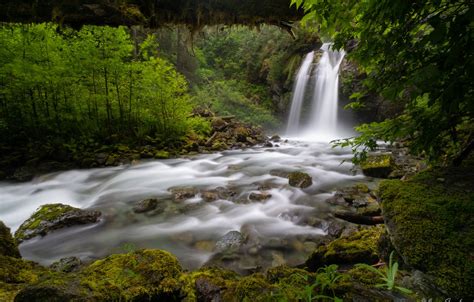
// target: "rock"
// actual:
[[337, 199], [66, 265], [206, 290], [209, 196], [260, 196], [226, 193], [145, 205], [300, 180], [162, 154], [146, 154], [371, 209], [100, 158], [268, 145], [379, 166], [359, 202], [180, 194], [144, 275], [8, 246], [430, 225], [51, 217], [360, 247], [218, 124], [241, 134], [275, 138], [230, 241]]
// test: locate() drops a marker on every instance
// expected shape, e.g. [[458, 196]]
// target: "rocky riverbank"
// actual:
[[23, 163]]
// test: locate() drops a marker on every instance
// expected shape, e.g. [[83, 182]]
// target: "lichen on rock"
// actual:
[[51, 217]]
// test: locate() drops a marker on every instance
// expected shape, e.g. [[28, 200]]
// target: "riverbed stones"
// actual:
[[183, 193], [51, 217], [260, 196], [230, 241], [145, 205], [300, 179], [209, 196], [8, 245]]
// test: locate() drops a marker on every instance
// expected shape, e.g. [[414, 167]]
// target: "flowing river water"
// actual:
[[284, 228]]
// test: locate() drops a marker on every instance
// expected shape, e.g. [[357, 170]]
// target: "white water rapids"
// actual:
[[284, 218]]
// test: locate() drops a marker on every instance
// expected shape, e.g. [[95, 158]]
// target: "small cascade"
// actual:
[[323, 121], [299, 91]]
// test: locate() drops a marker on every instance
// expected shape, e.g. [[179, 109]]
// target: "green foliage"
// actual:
[[91, 83], [326, 278], [388, 276], [413, 53]]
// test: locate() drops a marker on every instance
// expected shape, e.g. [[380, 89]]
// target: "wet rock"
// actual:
[[300, 179], [275, 138], [180, 194], [206, 290], [260, 196], [209, 196], [268, 145], [380, 165], [51, 217], [8, 246], [226, 193], [337, 199], [359, 202], [279, 173], [360, 247], [230, 241], [145, 205], [66, 265], [372, 208]]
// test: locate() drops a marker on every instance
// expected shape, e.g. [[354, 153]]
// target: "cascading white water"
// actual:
[[299, 92], [323, 122]]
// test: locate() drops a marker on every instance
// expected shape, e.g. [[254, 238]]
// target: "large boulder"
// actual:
[[8, 245], [300, 179], [430, 223], [378, 165], [51, 217]]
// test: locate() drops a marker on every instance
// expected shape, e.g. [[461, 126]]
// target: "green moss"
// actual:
[[216, 277], [8, 246], [431, 225], [378, 165], [252, 288], [162, 154], [359, 247], [48, 212], [145, 273], [15, 274]]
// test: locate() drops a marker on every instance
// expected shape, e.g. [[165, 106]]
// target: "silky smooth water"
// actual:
[[183, 225]]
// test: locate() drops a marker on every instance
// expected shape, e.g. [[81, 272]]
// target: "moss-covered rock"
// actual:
[[430, 220], [379, 165], [145, 275], [8, 245], [50, 217], [360, 247], [300, 179], [162, 154], [15, 274]]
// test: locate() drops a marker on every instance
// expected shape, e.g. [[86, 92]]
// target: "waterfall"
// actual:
[[323, 123], [299, 91]]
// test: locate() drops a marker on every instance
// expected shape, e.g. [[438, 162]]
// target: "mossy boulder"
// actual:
[[300, 179], [430, 221], [51, 217], [144, 275], [378, 165], [360, 247], [145, 205], [15, 274], [8, 245]]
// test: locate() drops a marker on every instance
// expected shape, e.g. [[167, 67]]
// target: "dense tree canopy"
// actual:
[[418, 53]]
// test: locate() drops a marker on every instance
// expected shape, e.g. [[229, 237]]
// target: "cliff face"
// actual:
[[150, 13]]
